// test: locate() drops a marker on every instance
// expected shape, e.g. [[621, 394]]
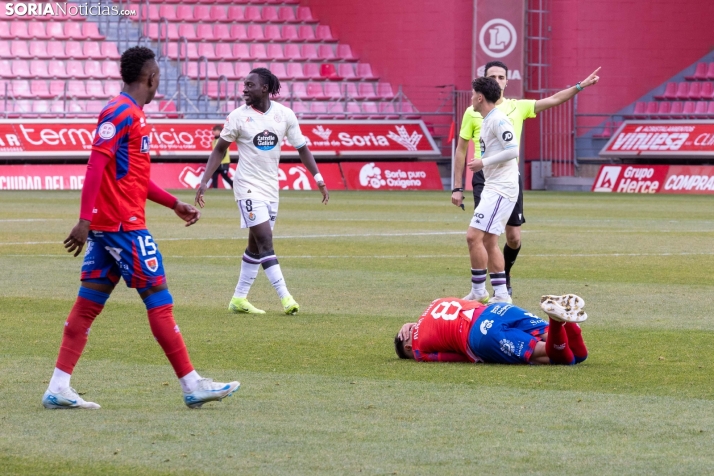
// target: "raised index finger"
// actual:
[[595, 72]]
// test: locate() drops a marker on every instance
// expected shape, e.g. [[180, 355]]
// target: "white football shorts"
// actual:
[[492, 213], [255, 212]]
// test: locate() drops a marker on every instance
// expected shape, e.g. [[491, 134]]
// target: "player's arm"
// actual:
[[186, 212], [462, 148], [98, 161], [566, 94], [440, 357], [308, 161], [214, 161], [507, 138]]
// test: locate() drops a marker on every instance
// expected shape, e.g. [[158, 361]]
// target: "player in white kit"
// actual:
[[259, 127], [499, 154]]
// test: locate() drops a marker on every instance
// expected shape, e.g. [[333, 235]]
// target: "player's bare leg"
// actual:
[[479, 262]]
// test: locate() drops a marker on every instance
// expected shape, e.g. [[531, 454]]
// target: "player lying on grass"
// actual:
[[112, 224], [456, 330]]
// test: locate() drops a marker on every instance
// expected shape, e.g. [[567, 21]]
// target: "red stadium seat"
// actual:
[[258, 52], [21, 31], [235, 13], [295, 71], [241, 51], [387, 108], [333, 90], [187, 31], [336, 110], [56, 69], [217, 13], [694, 91], [207, 50], [710, 109], [252, 13], [353, 109], [306, 33], [302, 110], [109, 50], [205, 31], [292, 52], [287, 14], [344, 53], [270, 14], [216, 89], [38, 49], [319, 109], [92, 49], [326, 53], [191, 50], [371, 109], [224, 51], [57, 88], [689, 108], [21, 89], [670, 92], [366, 91], [73, 31], [75, 69], [290, 33], [112, 88], [167, 12], [275, 52], [700, 73], [15, 49], [640, 108], [298, 90], [260, 64], [272, 33], [21, 69], [349, 90], [323, 33], [91, 31], [40, 89], [651, 109], [188, 13], [5, 68], [676, 110], [242, 70], [706, 92], [315, 92], [94, 107], [110, 70], [278, 69], [700, 109], [73, 49], [312, 71], [255, 33], [5, 31], [309, 52], [364, 71], [304, 15], [56, 49], [328, 71], [682, 91], [95, 89], [663, 108], [76, 89], [384, 91], [51, 30], [710, 72], [238, 32], [225, 68], [346, 70], [95, 69]]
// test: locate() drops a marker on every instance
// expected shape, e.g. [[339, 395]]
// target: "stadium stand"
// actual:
[[68, 66]]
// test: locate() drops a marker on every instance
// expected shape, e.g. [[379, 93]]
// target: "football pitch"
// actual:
[[323, 392]]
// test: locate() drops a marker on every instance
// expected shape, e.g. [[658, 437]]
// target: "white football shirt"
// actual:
[[260, 136], [497, 135]]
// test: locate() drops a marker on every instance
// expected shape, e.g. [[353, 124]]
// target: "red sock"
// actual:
[[575, 341], [76, 332], [164, 328], [556, 345]]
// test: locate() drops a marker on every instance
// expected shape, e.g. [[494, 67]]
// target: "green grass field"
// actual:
[[323, 392]]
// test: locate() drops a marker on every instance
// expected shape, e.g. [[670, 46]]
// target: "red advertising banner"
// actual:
[[500, 31], [23, 138], [391, 176], [169, 176], [680, 179], [675, 139], [689, 179]]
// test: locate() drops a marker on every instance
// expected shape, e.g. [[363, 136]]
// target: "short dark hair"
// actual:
[[133, 61], [399, 347], [268, 78], [491, 64], [217, 128], [488, 87]]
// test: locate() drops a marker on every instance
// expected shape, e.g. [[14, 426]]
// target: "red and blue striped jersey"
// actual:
[[123, 135]]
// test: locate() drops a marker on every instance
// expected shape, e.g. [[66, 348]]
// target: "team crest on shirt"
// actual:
[[265, 140], [278, 118], [106, 130], [251, 216], [145, 143], [152, 264]]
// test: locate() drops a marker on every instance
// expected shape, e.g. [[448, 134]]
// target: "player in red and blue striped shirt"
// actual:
[[112, 224]]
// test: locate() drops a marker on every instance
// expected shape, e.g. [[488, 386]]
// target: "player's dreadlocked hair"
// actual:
[[133, 61], [491, 64], [270, 79], [399, 347]]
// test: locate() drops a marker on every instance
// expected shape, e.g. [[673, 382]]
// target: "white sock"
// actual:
[[275, 276], [59, 381], [189, 381], [249, 268]]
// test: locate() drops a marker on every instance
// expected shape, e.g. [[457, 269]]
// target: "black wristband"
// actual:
[[457, 190]]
